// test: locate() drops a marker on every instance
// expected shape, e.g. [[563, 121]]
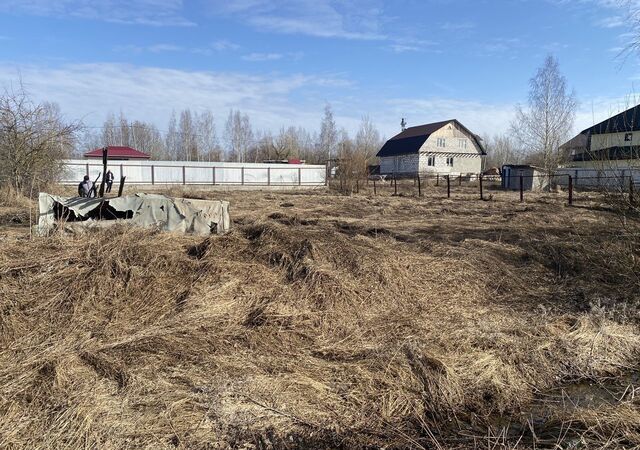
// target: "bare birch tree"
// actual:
[[546, 122], [328, 139], [238, 135]]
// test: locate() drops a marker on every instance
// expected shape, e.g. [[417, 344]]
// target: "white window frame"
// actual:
[[462, 143], [449, 161], [431, 161], [441, 142]]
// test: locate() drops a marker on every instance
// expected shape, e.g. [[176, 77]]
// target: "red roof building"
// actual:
[[118, 153]]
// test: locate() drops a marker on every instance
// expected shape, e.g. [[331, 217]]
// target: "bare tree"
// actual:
[[207, 138], [188, 142], [501, 150], [368, 140], [172, 138], [328, 139], [239, 135], [34, 138], [546, 122]]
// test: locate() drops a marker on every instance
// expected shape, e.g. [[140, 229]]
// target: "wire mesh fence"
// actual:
[[516, 188]]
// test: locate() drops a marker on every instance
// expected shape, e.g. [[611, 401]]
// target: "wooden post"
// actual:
[[395, 185], [481, 196], [419, 187], [448, 186], [375, 192], [570, 190], [521, 188], [104, 171], [121, 187], [152, 175], [460, 180], [184, 175], [631, 188], [437, 179], [357, 185]]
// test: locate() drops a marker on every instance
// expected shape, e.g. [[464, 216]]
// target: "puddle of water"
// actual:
[[540, 419]]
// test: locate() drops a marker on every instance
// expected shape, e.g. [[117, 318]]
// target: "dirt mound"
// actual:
[[286, 334]]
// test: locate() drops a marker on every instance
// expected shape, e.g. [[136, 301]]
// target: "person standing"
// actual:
[[109, 179], [85, 188]]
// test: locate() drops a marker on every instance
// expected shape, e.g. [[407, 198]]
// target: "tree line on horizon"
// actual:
[[194, 136]]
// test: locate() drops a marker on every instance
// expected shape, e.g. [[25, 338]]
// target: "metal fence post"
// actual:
[[374, 187], [437, 179], [88, 170], [153, 176], [299, 176], [460, 180], [184, 175], [268, 176], [481, 196], [419, 186], [448, 186], [570, 190], [213, 175], [522, 188], [395, 185], [631, 188]]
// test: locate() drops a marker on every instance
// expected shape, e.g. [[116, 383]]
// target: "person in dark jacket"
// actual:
[[85, 188], [109, 180]]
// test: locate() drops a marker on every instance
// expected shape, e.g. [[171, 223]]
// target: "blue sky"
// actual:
[[281, 60]]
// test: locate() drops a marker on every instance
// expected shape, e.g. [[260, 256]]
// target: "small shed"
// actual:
[[533, 178]]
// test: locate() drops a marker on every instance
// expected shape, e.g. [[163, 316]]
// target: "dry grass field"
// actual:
[[327, 321]]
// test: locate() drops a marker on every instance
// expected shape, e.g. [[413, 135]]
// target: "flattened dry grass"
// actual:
[[335, 322]]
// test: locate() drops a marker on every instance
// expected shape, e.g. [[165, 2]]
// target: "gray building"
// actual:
[[533, 178]]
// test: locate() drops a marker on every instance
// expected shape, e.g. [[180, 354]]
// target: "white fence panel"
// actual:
[[201, 173]]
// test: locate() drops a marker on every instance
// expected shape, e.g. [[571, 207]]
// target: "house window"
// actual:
[[462, 143], [441, 142], [628, 137], [431, 161], [450, 161]]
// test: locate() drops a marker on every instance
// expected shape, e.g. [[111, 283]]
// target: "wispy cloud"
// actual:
[[357, 19], [612, 22], [150, 93], [140, 12], [263, 56], [215, 47], [457, 26]]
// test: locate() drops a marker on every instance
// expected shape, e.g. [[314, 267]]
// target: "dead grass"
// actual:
[[322, 321]]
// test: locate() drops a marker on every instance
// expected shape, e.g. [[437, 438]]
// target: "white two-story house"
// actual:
[[446, 148]]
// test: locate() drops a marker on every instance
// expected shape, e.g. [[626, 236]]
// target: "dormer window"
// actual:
[[441, 142]]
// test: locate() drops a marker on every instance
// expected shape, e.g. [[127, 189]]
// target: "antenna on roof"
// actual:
[[403, 124]]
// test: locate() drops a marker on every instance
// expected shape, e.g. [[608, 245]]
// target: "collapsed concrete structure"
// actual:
[[200, 217]]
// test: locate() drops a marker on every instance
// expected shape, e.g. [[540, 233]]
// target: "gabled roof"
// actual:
[[411, 140], [114, 152], [628, 120]]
